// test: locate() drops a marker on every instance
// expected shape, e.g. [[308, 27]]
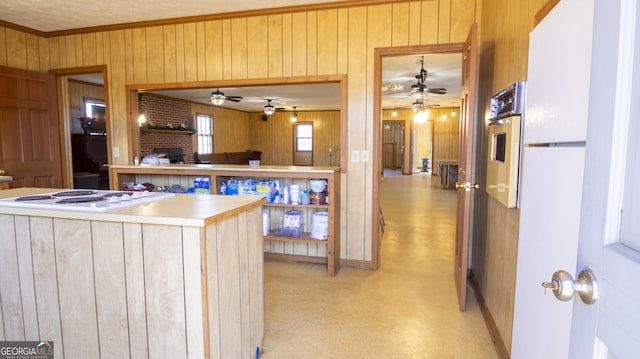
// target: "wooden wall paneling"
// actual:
[[136, 306], [190, 53], [99, 48], [355, 191], [343, 41], [33, 53], [444, 22], [164, 290], [155, 54], [327, 44], [69, 46], [312, 43], [76, 93], [139, 55], [400, 24], [258, 51], [193, 291], [16, 49], [430, 23], [119, 135], [213, 288], [170, 61], [180, 50], [227, 43], [229, 291], [46, 282], [415, 22], [299, 42], [243, 284], [213, 50], [254, 249], [78, 49], [275, 53], [110, 291], [54, 52], [27, 285], [43, 48], [74, 266], [201, 51], [128, 55], [89, 55], [239, 48], [3, 46], [379, 25], [462, 16], [287, 45], [9, 281]]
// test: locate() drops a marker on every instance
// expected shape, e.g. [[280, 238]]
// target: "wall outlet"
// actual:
[[355, 156], [116, 152], [364, 155]]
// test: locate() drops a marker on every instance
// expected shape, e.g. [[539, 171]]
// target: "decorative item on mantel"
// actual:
[[87, 124]]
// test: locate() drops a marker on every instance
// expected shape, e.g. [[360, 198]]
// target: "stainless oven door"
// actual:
[[503, 159]]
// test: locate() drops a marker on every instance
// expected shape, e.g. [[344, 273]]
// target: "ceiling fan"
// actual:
[[418, 90], [217, 98], [269, 109]]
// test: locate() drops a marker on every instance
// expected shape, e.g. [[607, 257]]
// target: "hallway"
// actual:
[[406, 309]]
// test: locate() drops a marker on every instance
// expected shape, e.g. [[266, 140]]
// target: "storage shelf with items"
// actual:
[[318, 238]]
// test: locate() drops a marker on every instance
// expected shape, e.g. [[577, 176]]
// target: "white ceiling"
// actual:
[[54, 15]]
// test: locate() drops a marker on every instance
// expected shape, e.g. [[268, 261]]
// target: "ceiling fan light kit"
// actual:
[[269, 109], [217, 98], [294, 118]]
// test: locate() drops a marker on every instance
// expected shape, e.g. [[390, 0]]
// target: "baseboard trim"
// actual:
[[498, 343], [357, 264]]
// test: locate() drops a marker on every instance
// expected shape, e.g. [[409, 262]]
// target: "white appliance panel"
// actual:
[[550, 202], [559, 75]]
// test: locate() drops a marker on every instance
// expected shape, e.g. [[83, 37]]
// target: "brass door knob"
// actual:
[[467, 186]]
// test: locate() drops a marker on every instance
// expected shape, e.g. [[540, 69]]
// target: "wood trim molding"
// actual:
[[498, 343], [544, 11], [201, 18]]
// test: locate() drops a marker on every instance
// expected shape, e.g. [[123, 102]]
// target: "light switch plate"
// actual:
[[116, 152], [364, 155], [355, 156]]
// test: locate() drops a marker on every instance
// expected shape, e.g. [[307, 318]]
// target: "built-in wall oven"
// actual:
[[503, 150]]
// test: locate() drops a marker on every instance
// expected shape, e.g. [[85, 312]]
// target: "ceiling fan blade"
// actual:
[[233, 98], [437, 90]]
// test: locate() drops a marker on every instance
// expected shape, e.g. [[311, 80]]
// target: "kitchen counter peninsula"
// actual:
[[303, 248], [179, 277]]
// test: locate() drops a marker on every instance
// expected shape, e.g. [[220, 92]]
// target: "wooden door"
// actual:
[[29, 130], [465, 167], [609, 241]]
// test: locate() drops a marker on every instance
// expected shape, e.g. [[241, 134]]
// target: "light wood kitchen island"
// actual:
[[174, 278]]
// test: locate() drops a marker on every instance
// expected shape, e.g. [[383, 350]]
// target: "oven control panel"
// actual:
[[509, 101]]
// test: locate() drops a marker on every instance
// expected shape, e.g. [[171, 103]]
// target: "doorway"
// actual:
[[414, 107], [393, 144], [83, 99]]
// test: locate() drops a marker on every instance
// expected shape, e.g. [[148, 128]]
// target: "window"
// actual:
[[304, 137], [204, 125]]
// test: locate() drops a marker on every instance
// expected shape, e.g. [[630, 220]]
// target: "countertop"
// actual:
[[231, 168], [193, 210], [6, 178]]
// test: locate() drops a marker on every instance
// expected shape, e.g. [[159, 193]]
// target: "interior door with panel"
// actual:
[[29, 130], [466, 185], [609, 230]]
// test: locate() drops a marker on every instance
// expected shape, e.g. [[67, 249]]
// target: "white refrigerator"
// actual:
[[552, 170]]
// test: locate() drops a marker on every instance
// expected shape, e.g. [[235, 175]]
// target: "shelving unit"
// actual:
[[167, 130], [303, 248]]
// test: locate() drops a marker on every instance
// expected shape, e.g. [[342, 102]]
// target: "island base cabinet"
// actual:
[[102, 289]]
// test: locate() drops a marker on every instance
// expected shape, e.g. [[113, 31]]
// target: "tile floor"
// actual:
[[406, 309]]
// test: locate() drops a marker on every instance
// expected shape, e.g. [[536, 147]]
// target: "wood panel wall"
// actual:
[[446, 133], [503, 61], [318, 42], [274, 137], [231, 129]]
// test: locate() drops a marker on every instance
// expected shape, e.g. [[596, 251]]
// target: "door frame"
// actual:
[[63, 115], [379, 54]]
